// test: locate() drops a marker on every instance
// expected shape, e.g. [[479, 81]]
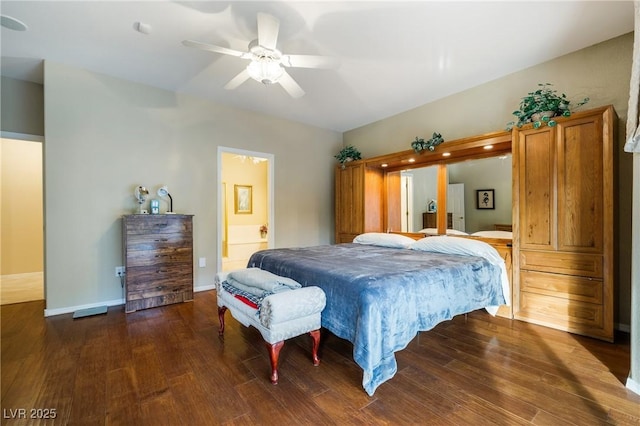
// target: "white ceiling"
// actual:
[[394, 55]]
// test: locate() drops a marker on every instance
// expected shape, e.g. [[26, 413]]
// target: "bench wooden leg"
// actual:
[[274, 353], [221, 312], [315, 335]]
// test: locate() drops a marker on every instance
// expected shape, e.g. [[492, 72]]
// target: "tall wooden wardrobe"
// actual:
[[359, 200], [563, 198]]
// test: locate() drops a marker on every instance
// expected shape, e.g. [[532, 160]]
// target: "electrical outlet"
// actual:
[[119, 271], [202, 262]]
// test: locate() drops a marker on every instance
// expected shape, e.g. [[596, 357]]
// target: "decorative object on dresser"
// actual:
[[163, 191], [155, 206], [540, 106], [141, 195], [158, 258], [563, 223]]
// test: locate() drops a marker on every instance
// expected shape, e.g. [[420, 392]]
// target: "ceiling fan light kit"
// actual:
[[265, 70]]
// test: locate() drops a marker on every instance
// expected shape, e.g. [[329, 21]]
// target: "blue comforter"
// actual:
[[379, 298]]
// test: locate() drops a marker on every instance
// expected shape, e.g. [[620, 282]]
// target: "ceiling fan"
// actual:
[[267, 62]]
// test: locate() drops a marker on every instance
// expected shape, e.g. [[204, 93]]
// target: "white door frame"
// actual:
[[220, 200], [406, 199]]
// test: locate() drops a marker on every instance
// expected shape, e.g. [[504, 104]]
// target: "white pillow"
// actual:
[[434, 231], [384, 240], [493, 234], [464, 246], [455, 232], [429, 231]]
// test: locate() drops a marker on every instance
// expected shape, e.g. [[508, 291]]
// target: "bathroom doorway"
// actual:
[[22, 246], [245, 206]]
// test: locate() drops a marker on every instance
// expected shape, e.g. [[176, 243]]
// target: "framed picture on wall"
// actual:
[[243, 201], [485, 199]]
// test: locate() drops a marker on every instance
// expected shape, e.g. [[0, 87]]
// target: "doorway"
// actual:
[[455, 205], [406, 199], [245, 206], [22, 241]]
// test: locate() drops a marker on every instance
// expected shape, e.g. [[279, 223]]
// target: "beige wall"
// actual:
[[22, 107], [601, 72], [21, 207], [104, 136]]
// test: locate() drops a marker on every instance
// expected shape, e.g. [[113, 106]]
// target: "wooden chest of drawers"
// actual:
[[158, 257]]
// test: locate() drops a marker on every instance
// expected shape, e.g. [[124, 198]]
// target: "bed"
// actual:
[[382, 290]]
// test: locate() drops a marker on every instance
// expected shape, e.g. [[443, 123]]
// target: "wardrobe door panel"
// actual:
[[536, 189], [580, 185]]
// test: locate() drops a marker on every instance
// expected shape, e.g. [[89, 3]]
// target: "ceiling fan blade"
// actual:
[[310, 61], [290, 85], [268, 27], [237, 80], [214, 48]]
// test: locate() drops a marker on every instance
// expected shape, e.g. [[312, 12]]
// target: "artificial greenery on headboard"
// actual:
[[420, 144]]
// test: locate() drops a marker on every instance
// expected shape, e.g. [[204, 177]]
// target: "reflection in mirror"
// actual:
[[492, 173], [424, 207], [419, 189], [419, 192]]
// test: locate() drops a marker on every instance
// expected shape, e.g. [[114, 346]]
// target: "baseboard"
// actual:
[[22, 136], [70, 309], [633, 386], [623, 327], [204, 288]]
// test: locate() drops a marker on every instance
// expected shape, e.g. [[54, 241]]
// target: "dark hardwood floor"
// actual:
[[167, 366]]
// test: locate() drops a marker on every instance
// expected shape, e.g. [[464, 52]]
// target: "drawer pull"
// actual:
[[161, 240]]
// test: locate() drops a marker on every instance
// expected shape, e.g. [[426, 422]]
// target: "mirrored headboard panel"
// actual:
[[471, 177]]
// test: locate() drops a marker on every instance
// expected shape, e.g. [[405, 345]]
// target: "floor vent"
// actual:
[[89, 312]]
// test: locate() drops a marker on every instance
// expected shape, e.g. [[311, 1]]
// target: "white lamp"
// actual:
[[163, 191]]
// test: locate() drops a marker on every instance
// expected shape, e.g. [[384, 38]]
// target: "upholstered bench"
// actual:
[[281, 316]]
